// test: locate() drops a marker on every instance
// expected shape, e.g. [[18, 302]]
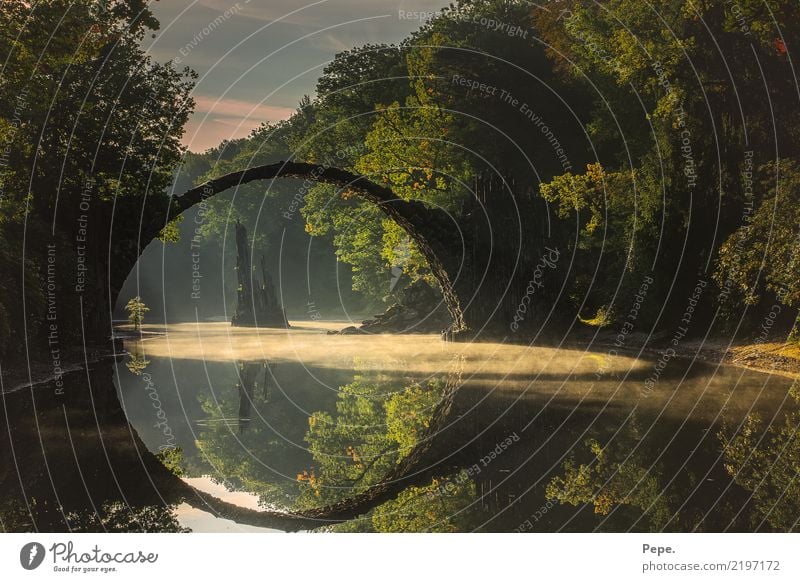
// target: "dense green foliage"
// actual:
[[373, 427], [764, 461], [649, 130], [701, 163], [613, 479], [372, 431], [91, 132]]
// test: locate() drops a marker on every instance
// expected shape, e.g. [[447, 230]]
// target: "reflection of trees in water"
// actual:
[[247, 388], [110, 516], [366, 457], [118, 517], [172, 459], [252, 376], [375, 428], [133, 490], [766, 462], [609, 479], [71, 462], [420, 509], [137, 361], [753, 483], [14, 517], [242, 455]]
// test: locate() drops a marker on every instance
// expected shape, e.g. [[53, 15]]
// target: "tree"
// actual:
[[136, 310], [682, 114], [613, 478], [172, 458], [263, 209], [350, 93], [616, 229], [137, 361], [762, 257], [375, 427], [764, 460], [93, 128], [260, 459], [118, 516], [428, 509]]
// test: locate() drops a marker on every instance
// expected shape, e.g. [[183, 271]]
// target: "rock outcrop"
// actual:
[[419, 309]]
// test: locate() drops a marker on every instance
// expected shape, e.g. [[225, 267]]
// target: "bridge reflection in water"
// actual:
[[414, 440]]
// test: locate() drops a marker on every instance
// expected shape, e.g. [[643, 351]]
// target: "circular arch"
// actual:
[[430, 228]]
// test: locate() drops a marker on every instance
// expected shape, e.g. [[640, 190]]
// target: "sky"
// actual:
[[257, 58]]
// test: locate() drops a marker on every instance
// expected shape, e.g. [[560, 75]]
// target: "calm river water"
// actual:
[[470, 437]]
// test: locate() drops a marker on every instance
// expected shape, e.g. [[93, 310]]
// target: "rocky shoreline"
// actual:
[[419, 309]]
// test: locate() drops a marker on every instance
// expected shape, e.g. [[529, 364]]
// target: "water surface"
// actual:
[[467, 437]]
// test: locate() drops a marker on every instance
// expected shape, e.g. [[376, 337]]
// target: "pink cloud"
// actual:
[[241, 109], [215, 120]]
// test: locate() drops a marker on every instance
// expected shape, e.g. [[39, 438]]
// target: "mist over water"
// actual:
[[531, 371]]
